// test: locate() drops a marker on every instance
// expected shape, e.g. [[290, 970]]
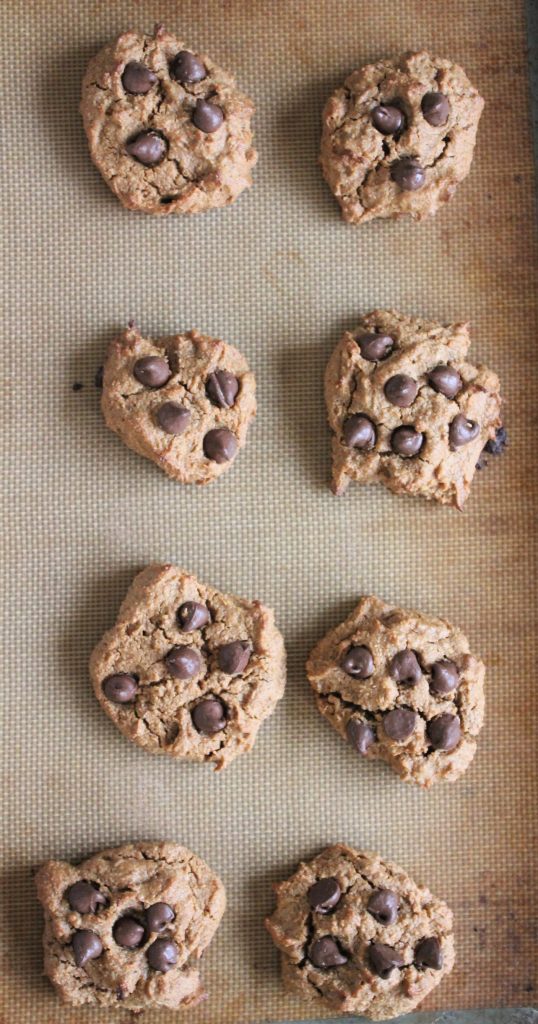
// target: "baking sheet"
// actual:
[[279, 275]]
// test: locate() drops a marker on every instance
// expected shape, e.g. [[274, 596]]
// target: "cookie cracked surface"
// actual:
[[184, 401], [407, 409], [403, 687], [399, 136], [357, 933], [187, 670], [167, 128], [126, 927]]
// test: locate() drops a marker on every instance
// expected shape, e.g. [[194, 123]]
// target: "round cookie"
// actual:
[[185, 401], [403, 687], [167, 128], [187, 670], [357, 933], [399, 136], [126, 927]]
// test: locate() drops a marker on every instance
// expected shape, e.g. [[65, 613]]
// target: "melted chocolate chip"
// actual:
[[375, 347], [220, 445], [383, 959], [148, 148], [462, 431], [152, 371], [444, 677], [192, 615], [209, 716], [444, 731], [401, 390], [187, 68], [435, 108], [323, 896], [360, 736], [358, 662], [234, 657], [86, 946], [387, 119], [183, 662], [383, 905], [405, 669], [497, 445], [359, 432], [428, 953], [137, 78], [207, 117], [158, 916], [120, 688], [162, 955], [406, 441], [399, 724], [221, 388], [172, 418], [84, 897], [128, 933], [326, 953], [446, 380], [408, 174]]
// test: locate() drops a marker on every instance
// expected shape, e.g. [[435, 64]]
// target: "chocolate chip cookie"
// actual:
[[127, 927], [184, 401], [356, 932], [399, 136], [167, 128], [403, 687], [407, 409], [187, 670]]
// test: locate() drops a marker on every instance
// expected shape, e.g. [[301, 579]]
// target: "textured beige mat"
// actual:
[[279, 275]]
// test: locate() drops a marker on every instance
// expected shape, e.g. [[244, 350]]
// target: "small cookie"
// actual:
[[167, 128], [403, 687], [187, 670], [406, 408], [126, 927], [357, 933], [399, 137], [185, 401]]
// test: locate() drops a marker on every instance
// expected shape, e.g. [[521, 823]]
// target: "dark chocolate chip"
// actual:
[[187, 68], [137, 78], [233, 658], [360, 735], [401, 390], [444, 731], [383, 905], [444, 677], [462, 431], [496, 445], [387, 119], [435, 108], [383, 959], [406, 441], [359, 432], [98, 379], [86, 946], [183, 662], [192, 615], [158, 916], [148, 147], [375, 347], [162, 955], [446, 380], [405, 669], [220, 445], [172, 418], [324, 895], [325, 952], [428, 953], [77, 386], [408, 174], [128, 933], [399, 724], [120, 688], [358, 662], [152, 371], [207, 116], [209, 716], [84, 897], [221, 388]]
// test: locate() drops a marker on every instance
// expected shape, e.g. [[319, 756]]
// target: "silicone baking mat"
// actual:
[[281, 276]]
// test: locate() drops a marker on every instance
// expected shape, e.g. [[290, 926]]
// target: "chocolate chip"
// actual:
[[221, 388], [158, 916], [137, 78], [462, 431], [120, 688], [359, 432], [406, 441], [192, 615], [183, 662], [360, 735], [84, 897], [383, 905], [220, 445], [401, 390], [387, 119], [399, 724], [172, 418], [77, 386], [128, 933], [383, 959], [324, 895], [162, 955], [152, 371], [207, 116], [375, 347], [86, 946], [148, 147], [428, 953], [444, 731], [405, 669], [358, 662], [187, 68], [325, 952], [98, 379], [446, 380], [233, 658], [496, 445], [209, 716], [444, 677], [408, 174], [435, 108]]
